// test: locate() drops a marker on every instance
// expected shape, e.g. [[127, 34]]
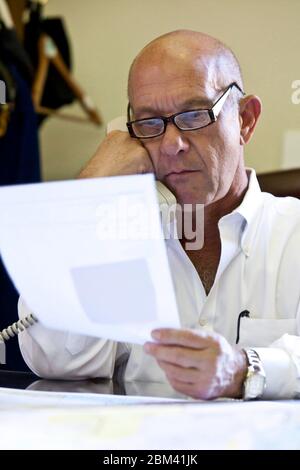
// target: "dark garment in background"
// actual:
[[19, 149], [56, 91], [13, 52], [19, 163]]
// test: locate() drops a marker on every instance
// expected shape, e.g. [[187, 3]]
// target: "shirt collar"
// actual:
[[249, 210], [252, 199]]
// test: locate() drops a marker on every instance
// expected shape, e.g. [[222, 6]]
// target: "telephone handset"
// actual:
[[165, 197]]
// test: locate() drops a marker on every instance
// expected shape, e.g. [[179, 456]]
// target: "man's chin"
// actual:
[[190, 199], [186, 196]]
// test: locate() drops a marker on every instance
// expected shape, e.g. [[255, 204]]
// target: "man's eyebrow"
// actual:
[[192, 103], [197, 102]]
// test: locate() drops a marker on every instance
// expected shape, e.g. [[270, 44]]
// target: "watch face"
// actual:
[[254, 386]]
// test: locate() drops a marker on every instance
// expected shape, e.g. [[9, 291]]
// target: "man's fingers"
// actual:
[[182, 374], [183, 357], [189, 389], [118, 154], [198, 339]]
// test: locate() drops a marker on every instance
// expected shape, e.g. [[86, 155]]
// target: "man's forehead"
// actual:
[[166, 102], [166, 89], [168, 64], [180, 71]]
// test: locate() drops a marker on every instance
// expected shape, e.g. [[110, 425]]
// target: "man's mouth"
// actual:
[[179, 172]]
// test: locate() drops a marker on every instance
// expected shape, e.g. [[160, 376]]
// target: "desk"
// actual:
[[29, 381], [94, 418]]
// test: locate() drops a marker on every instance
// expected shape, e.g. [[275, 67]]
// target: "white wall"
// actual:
[[107, 34]]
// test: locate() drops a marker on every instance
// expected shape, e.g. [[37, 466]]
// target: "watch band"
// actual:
[[255, 381]]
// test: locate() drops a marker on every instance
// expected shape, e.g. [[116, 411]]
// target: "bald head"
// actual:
[[189, 50]]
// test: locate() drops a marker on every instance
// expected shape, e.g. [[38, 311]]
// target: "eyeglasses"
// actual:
[[190, 120]]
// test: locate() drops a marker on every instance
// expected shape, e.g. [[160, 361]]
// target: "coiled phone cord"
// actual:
[[17, 327]]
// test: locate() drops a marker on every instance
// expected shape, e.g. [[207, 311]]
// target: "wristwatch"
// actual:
[[255, 381]]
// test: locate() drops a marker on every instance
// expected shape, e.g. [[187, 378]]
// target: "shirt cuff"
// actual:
[[281, 373]]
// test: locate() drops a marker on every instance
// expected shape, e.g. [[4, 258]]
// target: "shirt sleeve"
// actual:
[[281, 362], [61, 355]]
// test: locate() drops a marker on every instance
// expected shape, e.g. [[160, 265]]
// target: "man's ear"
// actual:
[[250, 109]]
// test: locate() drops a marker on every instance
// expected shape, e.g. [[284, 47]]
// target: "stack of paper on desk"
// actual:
[[88, 256]]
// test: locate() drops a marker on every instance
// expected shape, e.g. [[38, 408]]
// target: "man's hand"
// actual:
[[118, 154], [199, 364]]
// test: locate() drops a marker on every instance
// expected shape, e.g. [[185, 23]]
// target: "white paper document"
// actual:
[[89, 256]]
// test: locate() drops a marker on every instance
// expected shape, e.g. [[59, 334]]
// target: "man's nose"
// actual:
[[173, 141]]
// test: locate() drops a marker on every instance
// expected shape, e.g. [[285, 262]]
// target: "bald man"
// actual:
[[189, 120]]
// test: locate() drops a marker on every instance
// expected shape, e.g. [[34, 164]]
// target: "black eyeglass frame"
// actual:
[[211, 112]]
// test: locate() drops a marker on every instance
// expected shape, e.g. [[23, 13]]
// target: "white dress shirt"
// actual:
[[259, 271]]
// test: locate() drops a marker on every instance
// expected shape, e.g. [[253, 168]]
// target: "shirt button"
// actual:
[[202, 322], [247, 251]]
